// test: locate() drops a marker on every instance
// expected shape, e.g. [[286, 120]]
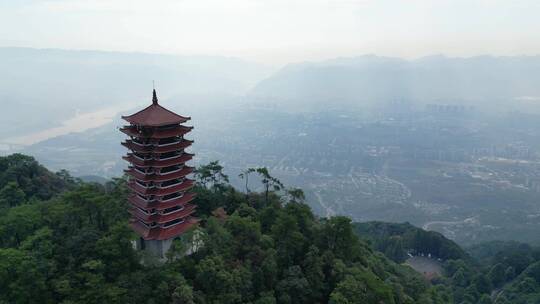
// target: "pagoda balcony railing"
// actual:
[[169, 144], [160, 200], [172, 185], [174, 211], [143, 172], [172, 132], [158, 163], [156, 144], [140, 158], [164, 225], [157, 186], [158, 173], [142, 184], [172, 157], [148, 200], [170, 199], [155, 158], [153, 225], [179, 187], [167, 225], [169, 172], [162, 212], [141, 144], [146, 211]]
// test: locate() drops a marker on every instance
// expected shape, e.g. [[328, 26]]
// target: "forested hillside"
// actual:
[[397, 240], [74, 246], [495, 272], [22, 179]]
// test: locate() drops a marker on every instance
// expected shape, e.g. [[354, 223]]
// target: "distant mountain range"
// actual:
[[43, 87], [40, 88], [368, 80]]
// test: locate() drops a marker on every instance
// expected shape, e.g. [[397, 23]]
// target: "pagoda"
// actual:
[[160, 198]]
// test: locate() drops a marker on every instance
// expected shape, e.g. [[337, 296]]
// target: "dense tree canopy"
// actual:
[[70, 243]]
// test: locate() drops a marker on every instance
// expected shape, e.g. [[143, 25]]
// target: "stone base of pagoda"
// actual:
[[156, 248], [157, 241]]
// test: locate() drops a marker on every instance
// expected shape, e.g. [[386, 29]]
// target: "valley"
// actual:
[[445, 174]]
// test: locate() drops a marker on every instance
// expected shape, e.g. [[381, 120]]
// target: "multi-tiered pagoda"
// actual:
[[160, 197]]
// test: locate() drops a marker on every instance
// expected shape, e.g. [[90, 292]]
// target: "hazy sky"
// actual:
[[277, 31]]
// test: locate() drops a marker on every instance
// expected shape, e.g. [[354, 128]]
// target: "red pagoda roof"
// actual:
[[139, 202], [157, 149], [171, 132], [163, 218], [158, 178], [158, 233], [185, 185], [156, 163], [155, 115]]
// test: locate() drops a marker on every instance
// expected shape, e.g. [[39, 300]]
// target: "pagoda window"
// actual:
[[146, 185], [141, 142], [153, 224], [171, 196], [170, 183], [173, 223], [171, 169], [146, 211], [169, 141], [142, 156], [145, 198], [169, 155], [141, 170], [172, 209]]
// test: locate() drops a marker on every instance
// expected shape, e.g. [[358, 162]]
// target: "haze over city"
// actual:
[[277, 32]]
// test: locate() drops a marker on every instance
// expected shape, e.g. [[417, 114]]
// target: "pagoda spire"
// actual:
[[154, 98]]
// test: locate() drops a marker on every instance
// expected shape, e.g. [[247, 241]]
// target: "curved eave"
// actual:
[[159, 178], [185, 199], [163, 218], [187, 184], [157, 149], [158, 163], [163, 233], [178, 131]]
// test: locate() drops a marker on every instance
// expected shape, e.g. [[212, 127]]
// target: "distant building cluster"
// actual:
[[448, 109]]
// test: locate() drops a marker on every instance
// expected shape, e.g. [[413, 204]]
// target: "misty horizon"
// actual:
[[278, 32]]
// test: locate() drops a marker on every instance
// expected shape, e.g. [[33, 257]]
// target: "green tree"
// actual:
[[339, 237], [183, 294], [269, 182], [509, 273], [294, 287], [459, 278], [482, 283], [20, 280], [296, 195], [497, 275], [484, 299], [313, 269], [11, 195], [245, 176], [211, 175]]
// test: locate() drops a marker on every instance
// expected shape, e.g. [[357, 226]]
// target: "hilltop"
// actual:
[[74, 246]]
